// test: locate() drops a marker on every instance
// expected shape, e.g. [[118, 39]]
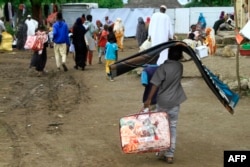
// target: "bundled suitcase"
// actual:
[[145, 132]]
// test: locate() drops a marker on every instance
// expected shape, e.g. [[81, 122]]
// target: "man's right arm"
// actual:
[[150, 96]]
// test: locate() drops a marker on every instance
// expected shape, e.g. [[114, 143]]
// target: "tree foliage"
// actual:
[[209, 3]]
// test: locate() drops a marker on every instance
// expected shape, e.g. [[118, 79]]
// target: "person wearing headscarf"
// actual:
[[141, 32], [119, 33], [222, 14], [202, 21], [210, 41], [79, 44], [21, 35]]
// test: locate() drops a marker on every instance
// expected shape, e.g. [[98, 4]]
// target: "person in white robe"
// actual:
[[32, 25], [160, 30]]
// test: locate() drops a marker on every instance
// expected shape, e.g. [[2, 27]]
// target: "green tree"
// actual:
[[209, 3]]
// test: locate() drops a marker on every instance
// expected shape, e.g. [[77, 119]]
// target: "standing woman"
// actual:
[[21, 35], [119, 32], [89, 37], [141, 32], [80, 44]]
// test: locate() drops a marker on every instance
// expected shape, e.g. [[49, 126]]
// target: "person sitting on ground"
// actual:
[[193, 33], [228, 25], [218, 23], [194, 38]]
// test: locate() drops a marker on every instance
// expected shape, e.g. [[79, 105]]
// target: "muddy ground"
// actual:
[[71, 119]]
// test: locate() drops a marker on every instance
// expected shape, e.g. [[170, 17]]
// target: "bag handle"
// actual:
[[144, 111]]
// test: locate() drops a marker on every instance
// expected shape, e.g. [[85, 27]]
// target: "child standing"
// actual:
[[102, 42], [111, 54]]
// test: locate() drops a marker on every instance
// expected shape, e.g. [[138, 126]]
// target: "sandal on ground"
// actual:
[[170, 160], [160, 155]]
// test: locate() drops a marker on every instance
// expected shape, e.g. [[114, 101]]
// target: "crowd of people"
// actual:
[[82, 39]]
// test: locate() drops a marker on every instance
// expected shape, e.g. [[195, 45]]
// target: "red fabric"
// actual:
[[38, 45], [103, 39]]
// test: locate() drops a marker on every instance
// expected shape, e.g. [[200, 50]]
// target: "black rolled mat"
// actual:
[[226, 96]]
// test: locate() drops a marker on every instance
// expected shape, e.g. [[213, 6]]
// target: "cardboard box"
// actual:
[[201, 51]]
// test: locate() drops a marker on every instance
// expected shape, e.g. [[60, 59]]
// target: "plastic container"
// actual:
[[244, 52], [246, 46]]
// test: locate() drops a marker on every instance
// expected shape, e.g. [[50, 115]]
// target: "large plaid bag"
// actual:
[[145, 132]]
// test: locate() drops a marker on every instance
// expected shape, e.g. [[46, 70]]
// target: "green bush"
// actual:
[[10, 29]]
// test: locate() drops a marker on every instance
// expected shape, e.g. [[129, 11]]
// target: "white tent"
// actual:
[[128, 16]]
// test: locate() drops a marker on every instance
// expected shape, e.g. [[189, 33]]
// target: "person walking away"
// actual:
[[79, 43], [21, 35], [32, 25], [161, 30], [2, 28], [141, 31], [167, 80], [103, 39], [110, 55], [119, 33], [89, 37], [61, 41]]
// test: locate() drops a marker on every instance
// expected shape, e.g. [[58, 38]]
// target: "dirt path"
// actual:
[[71, 119]]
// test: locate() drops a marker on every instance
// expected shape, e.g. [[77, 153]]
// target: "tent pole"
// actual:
[[238, 47]]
